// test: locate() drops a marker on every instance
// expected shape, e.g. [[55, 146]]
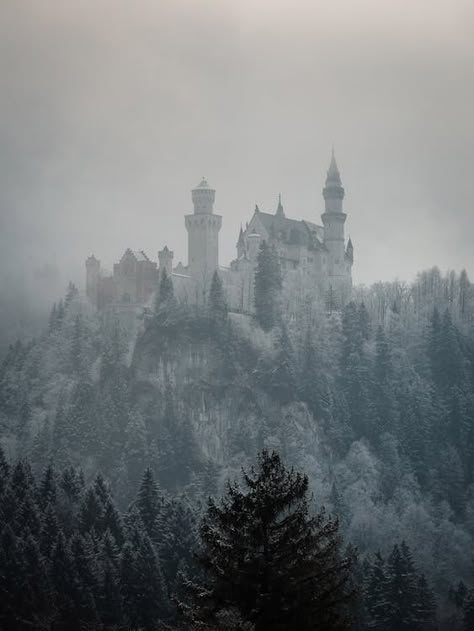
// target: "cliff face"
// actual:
[[219, 387]]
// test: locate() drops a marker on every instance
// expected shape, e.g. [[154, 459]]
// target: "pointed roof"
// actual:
[[240, 240], [138, 255], [280, 212], [333, 176], [349, 244], [203, 183], [291, 231]]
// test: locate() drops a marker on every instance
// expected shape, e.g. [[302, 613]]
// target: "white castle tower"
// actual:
[[340, 261], [203, 236]]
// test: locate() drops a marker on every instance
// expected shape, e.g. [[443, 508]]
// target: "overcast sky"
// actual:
[[111, 111]]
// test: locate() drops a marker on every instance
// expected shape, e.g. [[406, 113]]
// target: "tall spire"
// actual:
[[333, 191], [280, 212], [240, 240], [333, 175]]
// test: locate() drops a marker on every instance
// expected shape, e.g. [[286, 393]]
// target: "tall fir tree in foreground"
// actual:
[[267, 562], [268, 285]]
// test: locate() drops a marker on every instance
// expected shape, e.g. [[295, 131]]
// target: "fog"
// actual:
[[111, 112]]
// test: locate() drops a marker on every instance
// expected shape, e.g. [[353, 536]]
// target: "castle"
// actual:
[[315, 261]]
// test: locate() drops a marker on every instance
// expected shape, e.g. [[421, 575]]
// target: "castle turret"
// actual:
[[92, 280], [165, 258], [339, 268], [203, 235]]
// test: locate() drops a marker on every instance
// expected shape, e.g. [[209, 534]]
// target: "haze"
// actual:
[[111, 112]]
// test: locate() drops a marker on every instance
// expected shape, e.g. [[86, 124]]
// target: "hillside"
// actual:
[[374, 404]]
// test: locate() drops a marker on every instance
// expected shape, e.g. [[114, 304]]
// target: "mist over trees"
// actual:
[[373, 403]]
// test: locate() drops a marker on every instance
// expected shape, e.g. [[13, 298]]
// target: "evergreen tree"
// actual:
[[49, 531], [217, 302], [354, 371], [53, 319], [142, 585], [464, 289], [11, 579], [36, 590], [376, 594], [426, 605], [149, 502], [385, 403], [165, 294], [364, 321], [468, 614], [282, 377], [47, 487], [402, 594], [268, 285], [4, 470], [91, 513], [65, 587], [136, 448], [177, 539], [265, 558], [77, 362]]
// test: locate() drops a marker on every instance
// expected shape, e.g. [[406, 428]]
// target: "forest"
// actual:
[[112, 446]]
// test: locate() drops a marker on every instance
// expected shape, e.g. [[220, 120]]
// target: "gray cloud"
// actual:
[[111, 111]]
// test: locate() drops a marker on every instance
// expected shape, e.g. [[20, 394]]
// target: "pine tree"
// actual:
[[468, 617], [150, 599], [142, 585], [217, 302], [364, 321], [4, 470], [77, 344], [11, 579], [112, 521], [165, 294], [91, 513], [265, 558], [464, 288], [282, 377], [64, 585], [36, 590], [268, 285], [53, 319], [177, 539], [385, 403], [47, 487], [426, 613], [376, 594], [401, 593], [354, 373], [49, 530], [110, 604], [149, 502], [136, 448]]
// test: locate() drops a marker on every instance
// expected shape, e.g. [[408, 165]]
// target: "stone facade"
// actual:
[[315, 260]]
